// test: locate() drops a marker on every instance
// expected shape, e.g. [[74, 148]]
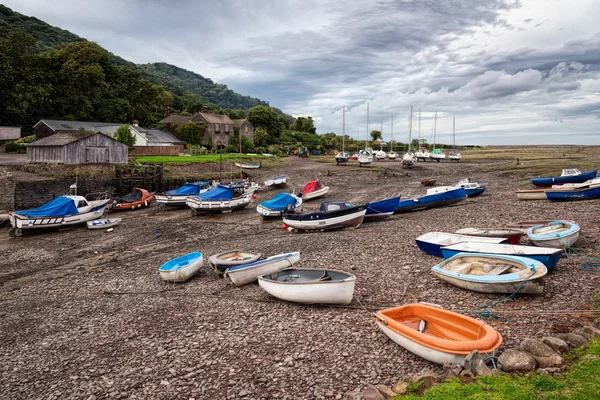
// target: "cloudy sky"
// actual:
[[511, 72]]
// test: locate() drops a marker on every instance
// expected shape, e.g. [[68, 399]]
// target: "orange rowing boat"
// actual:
[[435, 334], [136, 199]]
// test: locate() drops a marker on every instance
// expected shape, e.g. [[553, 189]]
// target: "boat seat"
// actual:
[[324, 277], [499, 269], [463, 268]]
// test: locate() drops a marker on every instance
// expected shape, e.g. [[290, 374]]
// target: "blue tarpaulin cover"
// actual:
[[217, 194], [188, 189], [279, 202], [58, 207]]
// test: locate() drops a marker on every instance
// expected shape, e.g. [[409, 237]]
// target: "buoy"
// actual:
[[157, 235], [284, 227], [110, 230], [254, 196]]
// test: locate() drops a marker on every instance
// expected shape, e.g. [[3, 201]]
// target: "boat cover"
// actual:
[[188, 189], [217, 194], [135, 195], [58, 207], [279, 202], [311, 186]]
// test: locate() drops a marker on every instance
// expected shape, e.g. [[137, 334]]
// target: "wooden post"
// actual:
[[145, 177], [517, 160], [132, 172]]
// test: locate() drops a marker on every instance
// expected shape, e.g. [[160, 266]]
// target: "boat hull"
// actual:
[[574, 194], [103, 223], [433, 246], [182, 274], [312, 292], [557, 180], [474, 192], [248, 273], [346, 220], [380, 210], [547, 256], [539, 194], [559, 240], [511, 236], [20, 222], [317, 193], [247, 166], [431, 201], [218, 205]]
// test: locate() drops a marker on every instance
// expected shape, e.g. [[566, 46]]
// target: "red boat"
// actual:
[[136, 199]]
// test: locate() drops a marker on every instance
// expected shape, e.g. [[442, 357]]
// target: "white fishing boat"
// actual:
[[422, 155], [63, 211], [493, 273], [182, 268], [277, 181], [220, 262], [559, 234], [103, 223], [224, 198], [178, 196], [282, 202], [310, 286], [247, 273]]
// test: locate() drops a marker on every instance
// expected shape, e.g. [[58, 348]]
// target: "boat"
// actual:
[[310, 286], [332, 215], [365, 156], [355, 156], [178, 197], [569, 194], [250, 187], [472, 189], [380, 210], [342, 156], [546, 255], [454, 155], [512, 236], [435, 334], [380, 155], [572, 175], [493, 273], [531, 194], [422, 155], [559, 234], [432, 242], [136, 199], [63, 211], [277, 181], [589, 183], [437, 155], [182, 268], [224, 198], [247, 165], [104, 223], [220, 262], [428, 181], [312, 190], [243, 274], [408, 159], [282, 202], [523, 226], [435, 197], [392, 155]]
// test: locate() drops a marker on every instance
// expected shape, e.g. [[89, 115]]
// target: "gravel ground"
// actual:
[[85, 313]]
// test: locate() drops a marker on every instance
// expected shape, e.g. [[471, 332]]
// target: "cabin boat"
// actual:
[[435, 334], [437, 155], [435, 197], [282, 202], [472, 189], [380, 155], [178, 197], [277, 181], [63, 211], [454, 156], [342, 157], [224, 198], [182, 268], [408, 159], [493, 273], [365, 157], [432, 242], [247, 273], [572, 175], [104, 223], [422, 155], [559, 234], [332, 215], [312, 190], [380, 210], [310, 286], [512, 236], [546, 255], [220, 262], [136, 199]]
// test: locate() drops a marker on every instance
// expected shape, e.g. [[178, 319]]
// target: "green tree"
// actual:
[[304, 124], [191, 132], [323, 142], [266, 118], [261, 136], [375, 135], [125, 136], [234, 144]]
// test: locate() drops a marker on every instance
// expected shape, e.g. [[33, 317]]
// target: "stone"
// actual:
[[543, 354], [584, 333], [466, 373], [243, 393], [592, 330], [474, 362], [386, 391], [371, 393], [572, 339], [451, 370], [424, 374], [329, 394], [400, 387], [514, 360], [558, 345]]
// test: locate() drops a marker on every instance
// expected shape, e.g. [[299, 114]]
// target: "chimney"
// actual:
[[204, 109], [136, 122]]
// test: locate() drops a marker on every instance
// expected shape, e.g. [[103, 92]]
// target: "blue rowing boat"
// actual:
[[380, 210], [435, 197], [432, 242], [568, 176], [573, 194]]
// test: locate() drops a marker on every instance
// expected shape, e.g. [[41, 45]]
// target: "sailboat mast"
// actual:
[[410, 129], [381, 130], [392, 137], [343, 128], [241, 170], [367, 138], [453, 131], [434, 129], [419, 128]]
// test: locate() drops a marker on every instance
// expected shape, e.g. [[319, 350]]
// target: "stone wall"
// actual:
[[7, 190], [156, 150]]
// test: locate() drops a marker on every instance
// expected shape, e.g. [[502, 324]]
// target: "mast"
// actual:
[[381, 130], [343, 128], [392, 139], [419, 129], [434, 129], [367, 139], [241, 170], [410, 129], [453, 131]]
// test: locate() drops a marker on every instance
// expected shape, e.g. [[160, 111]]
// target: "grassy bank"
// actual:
[[200, 158], [579, 381]]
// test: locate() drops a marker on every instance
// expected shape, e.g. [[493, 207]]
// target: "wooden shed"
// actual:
[[77, 148]]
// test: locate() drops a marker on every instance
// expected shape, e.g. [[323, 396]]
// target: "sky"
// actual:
[[510, 72]]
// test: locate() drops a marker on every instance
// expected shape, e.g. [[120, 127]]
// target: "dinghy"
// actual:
[[310, 286], [559, 234], [512, 236], [435, 334], [524, 225], [312, 190], [247, 165], [380, 210], [432, 242], [104, 223], [224, 198], [178, 197], [220, 262], [546, 255], [532, 194], [277, 181], [63, 211], [136, 199], [428, 181], [282, 202], [472, 189], [435, 197], [247, 273], [332, 215], [182, 268], [570, 194], [568, 176], [493, 273]]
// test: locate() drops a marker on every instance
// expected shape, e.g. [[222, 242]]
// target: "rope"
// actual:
[[593, 265]]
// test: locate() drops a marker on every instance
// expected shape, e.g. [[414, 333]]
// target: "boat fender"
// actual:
[[133, 207], [422, 325], [139, 206], [146, 203]]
